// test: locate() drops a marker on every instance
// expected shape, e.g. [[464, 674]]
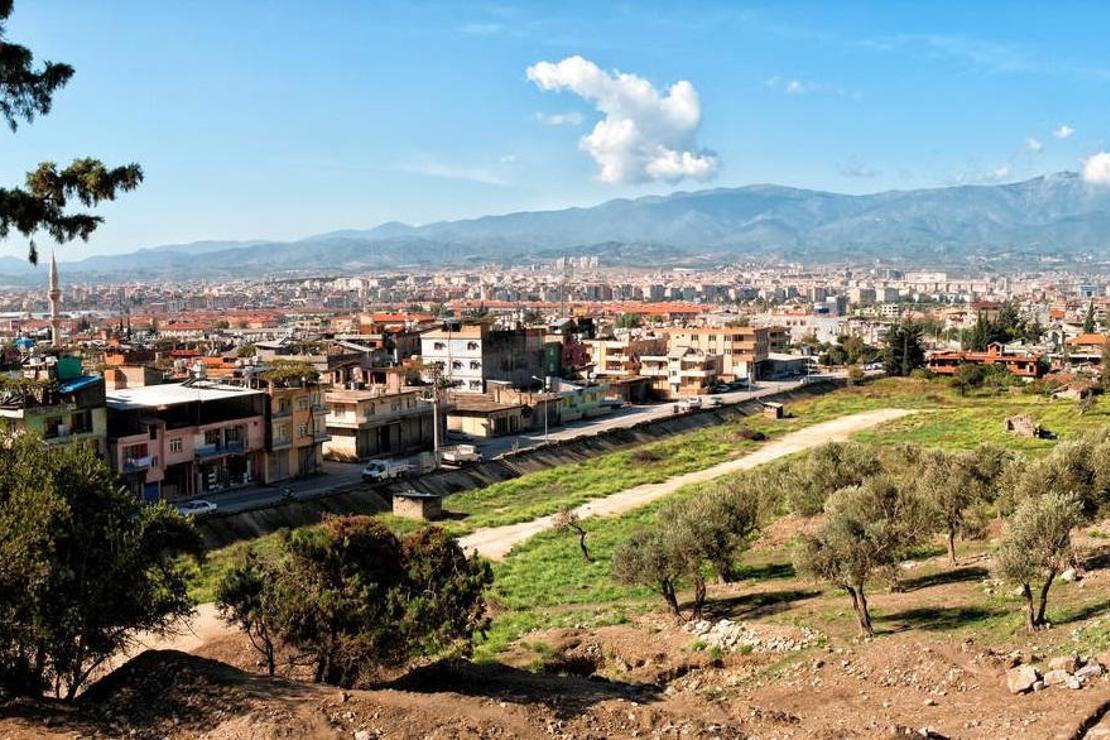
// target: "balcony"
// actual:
[[218, 450], [281, 413], [134, 464], [281, 444], [321, 436]]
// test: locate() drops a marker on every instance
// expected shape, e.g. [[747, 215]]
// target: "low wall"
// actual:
[[220, 530]]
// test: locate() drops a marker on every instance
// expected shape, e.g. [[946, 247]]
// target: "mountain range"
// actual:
[[1053, 216]]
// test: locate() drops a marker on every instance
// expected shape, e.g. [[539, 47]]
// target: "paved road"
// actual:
[[340, 475], [495, 542], [621, 418]]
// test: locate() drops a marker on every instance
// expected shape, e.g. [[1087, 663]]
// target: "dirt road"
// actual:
[[496, 542]]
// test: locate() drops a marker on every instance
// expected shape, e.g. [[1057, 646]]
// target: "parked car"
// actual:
[[459, 454], [689, 404], [379, 470], [714, 402], [196, 507]]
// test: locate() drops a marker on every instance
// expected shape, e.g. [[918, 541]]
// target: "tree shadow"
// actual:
[[938, 619], [944, 577], [756, 604], [567, 695], [766, 572], [1096, 609]]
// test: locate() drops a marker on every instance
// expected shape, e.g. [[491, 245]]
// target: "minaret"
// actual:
[[55, 294]]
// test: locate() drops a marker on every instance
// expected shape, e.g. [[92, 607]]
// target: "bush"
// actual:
[[353, 599]]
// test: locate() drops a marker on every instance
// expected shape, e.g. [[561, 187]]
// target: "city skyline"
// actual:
[[429, 112]]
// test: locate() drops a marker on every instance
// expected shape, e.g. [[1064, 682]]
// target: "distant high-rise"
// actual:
[[55, 294]]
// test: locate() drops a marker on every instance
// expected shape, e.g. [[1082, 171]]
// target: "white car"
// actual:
[[195, 507], [715, 402], [378, 470]]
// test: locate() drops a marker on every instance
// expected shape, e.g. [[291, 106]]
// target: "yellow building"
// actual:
[[741, 348], [297, 428]]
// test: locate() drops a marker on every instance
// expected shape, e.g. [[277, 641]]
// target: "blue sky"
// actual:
[[282, 119]]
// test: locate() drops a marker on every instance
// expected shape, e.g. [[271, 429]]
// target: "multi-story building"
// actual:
[[741, 349], [620, 358], [297, 428], [469, 355], [363, 423], [681, 372], [1021, 363], [58, 403], [178, 440]]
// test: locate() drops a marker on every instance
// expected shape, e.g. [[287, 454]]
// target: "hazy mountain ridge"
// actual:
[[1056, 214]]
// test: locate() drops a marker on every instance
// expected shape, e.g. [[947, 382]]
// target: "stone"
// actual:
[[362, 735], [1070, 575], [1091, 670], [1056, 677], [1074, 683], [1039, 686], [1066, 663], [1021, 679]]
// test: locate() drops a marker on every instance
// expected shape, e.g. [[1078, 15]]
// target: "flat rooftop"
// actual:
[[172, 394]]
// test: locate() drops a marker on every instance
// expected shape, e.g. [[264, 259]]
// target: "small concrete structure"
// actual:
[[418, 505], [773, 410]]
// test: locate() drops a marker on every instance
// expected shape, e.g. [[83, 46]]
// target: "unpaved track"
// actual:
[[496, 542]]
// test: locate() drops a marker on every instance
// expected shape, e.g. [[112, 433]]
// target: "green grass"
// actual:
[[544, 492]]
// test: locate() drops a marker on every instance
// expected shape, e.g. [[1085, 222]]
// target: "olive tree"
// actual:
[[567, 520], [828, 468], [953, 485], [720, 521], [1036, 547], [867, 530], [664, 560]]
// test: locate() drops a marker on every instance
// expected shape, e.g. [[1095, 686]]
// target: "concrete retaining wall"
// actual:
[[222, 530]]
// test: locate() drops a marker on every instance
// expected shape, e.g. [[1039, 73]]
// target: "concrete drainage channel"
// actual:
[[220, 530]]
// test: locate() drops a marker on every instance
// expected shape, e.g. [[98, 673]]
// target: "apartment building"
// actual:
[[368, 422], [57, 402], [470, 355], [741, 349], [297, 428], [620, 358], [681, 372], [184, 439]]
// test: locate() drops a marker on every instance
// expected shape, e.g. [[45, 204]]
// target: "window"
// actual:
[[302, 430], [472, 346], [456, 365], [475, 365], [212, 437], [302, 403], [176, 444], [439, 346]]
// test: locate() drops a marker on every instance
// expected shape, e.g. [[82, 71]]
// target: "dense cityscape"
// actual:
[[559, 448]]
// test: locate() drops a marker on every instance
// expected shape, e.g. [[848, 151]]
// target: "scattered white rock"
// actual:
[[1021, 679]]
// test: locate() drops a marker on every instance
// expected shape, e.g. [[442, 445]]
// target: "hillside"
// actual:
[[1055, 215]]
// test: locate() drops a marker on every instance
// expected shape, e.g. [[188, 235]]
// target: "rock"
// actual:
[[1056, 677], [1091, 670], [1066, 663], [1074, 683], [362, 735], [930, 702], [1039, 686], [1021, 679]]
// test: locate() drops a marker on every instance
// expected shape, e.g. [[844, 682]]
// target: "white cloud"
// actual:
[[507, 158], [645, 135], [1063, 131], [858, 170], [1032, 145], [1096, 169], [571, 118]]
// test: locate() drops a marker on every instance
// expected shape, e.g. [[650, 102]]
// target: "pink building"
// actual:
[[188, 439]]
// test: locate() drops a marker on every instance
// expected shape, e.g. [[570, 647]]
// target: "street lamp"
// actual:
[[546, 406]]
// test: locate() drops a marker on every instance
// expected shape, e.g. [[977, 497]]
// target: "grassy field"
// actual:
[[546, 583]]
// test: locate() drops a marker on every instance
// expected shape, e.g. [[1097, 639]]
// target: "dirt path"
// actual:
[[496, 542]]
